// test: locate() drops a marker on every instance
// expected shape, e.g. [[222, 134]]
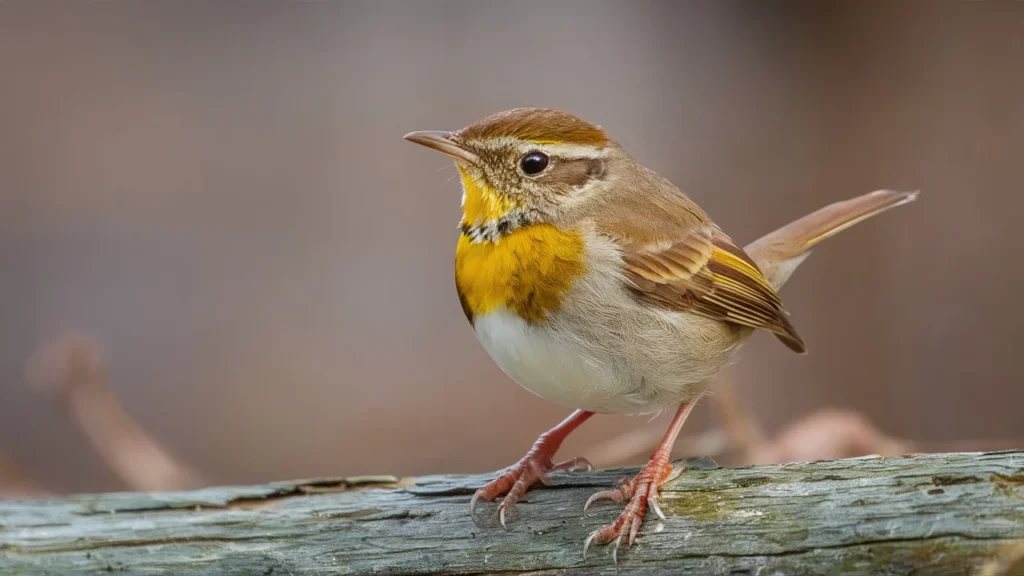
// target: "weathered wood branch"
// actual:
[[931, 514]]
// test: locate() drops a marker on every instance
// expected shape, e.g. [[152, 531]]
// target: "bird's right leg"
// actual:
[[515, 480], [641, 492]]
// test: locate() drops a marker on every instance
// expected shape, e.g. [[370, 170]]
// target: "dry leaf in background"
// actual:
[[828, 434], [73, 368]]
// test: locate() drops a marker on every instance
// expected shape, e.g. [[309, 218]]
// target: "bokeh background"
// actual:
[[219, 194]]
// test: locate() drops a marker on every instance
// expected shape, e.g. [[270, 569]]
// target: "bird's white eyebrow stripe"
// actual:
[[555, 149], [574, 151]]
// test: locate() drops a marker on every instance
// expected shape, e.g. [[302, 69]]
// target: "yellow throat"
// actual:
[[526, 270]]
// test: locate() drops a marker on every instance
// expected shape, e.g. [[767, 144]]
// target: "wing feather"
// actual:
[[705, 272]]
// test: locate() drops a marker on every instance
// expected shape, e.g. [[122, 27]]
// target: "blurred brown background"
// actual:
[[219, 192]]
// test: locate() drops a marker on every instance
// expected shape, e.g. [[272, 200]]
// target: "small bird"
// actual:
[[595, 283]]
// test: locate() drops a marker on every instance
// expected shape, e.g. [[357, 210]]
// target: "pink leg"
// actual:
[[641, 491], [517, 478]]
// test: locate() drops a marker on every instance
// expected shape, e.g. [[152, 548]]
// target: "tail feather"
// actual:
[[779, 253]]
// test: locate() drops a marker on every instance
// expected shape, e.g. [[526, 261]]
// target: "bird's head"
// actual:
[[525, 166]]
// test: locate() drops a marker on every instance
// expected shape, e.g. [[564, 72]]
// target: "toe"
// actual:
[[576, 464], [537, 471], [634, 524], [616, 495], [615, 550], [619, 494]]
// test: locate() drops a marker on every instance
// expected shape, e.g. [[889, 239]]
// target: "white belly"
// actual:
[[550, 365], [606, 376]]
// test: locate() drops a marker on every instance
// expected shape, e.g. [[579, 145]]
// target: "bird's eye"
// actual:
[[534, 163]]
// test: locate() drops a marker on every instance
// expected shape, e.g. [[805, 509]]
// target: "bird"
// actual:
[[597, 284]]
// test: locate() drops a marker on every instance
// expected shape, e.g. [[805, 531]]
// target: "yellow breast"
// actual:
[[526, 271]]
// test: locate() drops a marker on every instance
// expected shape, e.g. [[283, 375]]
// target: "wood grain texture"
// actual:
[[929, 514]]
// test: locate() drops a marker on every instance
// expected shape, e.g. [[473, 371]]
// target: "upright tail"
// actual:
[[780, 252]]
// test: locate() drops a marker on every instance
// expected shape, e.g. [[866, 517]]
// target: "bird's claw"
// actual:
[[653, 504], [617, 495], [586, 543], [515, 480], [501, 513], [641, 493], [473, 501]]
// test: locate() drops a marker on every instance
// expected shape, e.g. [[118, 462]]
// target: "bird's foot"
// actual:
[[640, 492], [515, 480]]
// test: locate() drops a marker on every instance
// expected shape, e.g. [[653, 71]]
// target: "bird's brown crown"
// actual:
[[540, 125]]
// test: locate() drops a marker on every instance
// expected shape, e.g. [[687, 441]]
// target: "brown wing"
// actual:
[[704, 272]]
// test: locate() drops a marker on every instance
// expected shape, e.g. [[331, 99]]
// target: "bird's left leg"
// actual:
[[640, 492], [515, 480]]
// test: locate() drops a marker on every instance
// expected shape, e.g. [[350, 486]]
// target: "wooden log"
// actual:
[[924, 514]]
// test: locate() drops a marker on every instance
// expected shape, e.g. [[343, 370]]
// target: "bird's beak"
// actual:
[[445, 143]]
